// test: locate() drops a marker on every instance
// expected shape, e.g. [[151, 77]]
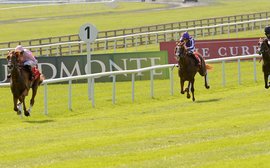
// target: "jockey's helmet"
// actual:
[[19, 48], [186, 35], [267, 31]]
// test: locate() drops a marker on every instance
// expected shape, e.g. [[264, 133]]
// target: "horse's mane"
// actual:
[[13, 53]]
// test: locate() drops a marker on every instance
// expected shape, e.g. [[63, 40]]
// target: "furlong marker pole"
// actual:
[[88, 33], [89, 68]]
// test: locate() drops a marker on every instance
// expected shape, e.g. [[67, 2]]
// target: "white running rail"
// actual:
[[133, 73]]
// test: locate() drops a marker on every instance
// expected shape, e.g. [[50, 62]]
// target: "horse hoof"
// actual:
[[266, 87], [188, 96], [27, 114], [182, 92], [207, 87], [193, 99]]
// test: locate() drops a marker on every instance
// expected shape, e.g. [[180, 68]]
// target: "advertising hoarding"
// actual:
[[217, 48], [64, 66]]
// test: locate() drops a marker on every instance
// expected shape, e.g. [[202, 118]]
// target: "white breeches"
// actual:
[[30, 63]]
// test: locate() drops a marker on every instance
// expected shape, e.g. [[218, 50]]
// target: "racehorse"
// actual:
[[20, 83], [187, 69], [264, 49]]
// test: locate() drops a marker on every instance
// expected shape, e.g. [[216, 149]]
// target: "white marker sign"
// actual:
[[88, 33]]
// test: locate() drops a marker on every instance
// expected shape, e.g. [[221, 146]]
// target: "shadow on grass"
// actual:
[[39, 121], [208, 101]]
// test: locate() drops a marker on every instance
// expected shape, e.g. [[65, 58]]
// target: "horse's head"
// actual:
[[264, 49], [180, 49], [264, 46], [12, 59]]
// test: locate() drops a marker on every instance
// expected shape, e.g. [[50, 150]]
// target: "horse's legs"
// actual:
[[205, 81], [266, 80], [15, 101], [187, 90], [26, 113], [34, 92], [192, 89], [182, 86]]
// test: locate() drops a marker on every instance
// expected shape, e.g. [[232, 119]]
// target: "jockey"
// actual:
[[27, 59], [190, 45], [267, 32], [189, 42]]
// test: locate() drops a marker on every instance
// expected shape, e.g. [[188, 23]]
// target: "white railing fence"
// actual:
[[133, 73], [136, 38]]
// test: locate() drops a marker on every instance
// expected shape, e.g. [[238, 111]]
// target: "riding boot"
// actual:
[[29, 69], [197, 60]]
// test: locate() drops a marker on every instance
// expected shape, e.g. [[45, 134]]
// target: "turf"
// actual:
[[224, 127], [66, 19]]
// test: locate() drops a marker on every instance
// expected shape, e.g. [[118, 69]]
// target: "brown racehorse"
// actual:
[[188, 69], [264, 49], [20, 83]]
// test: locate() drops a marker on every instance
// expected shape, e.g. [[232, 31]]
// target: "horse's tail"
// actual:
[[209, 67], [203, 69]]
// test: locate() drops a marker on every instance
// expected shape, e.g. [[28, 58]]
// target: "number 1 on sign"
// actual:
[[88, 33], [87, 29]]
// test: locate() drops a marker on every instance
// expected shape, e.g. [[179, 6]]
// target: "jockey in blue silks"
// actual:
[[190, 45], [189, 42]]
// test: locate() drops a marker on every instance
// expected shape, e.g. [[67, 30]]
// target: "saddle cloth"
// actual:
[[35, 72], [197, 55]]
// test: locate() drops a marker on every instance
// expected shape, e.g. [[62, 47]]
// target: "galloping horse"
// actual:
[[188, 69], [20, 83], [264, 49]]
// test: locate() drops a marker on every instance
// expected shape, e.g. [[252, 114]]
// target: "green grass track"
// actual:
[[225, 127]]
